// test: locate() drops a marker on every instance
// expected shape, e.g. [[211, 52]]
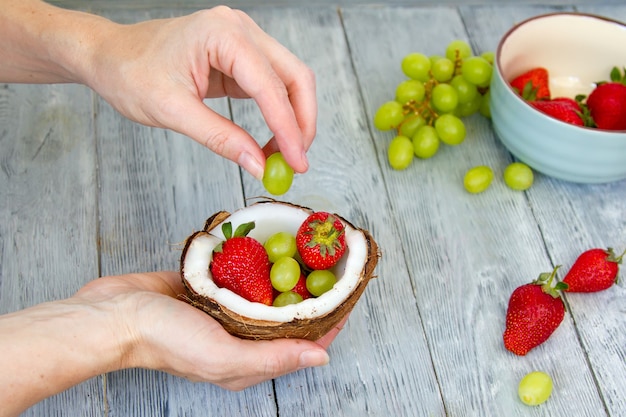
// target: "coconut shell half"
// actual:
[[310, 319]]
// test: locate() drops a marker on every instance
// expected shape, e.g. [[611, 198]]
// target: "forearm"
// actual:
[[51, 347], [40, 43]]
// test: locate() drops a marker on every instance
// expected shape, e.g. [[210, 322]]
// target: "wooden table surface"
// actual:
[[87, 193]]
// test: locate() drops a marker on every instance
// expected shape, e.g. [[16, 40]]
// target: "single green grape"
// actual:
[[469, 108], [450, 129], [434, 58], [489, 56], [411, 123], [444, 97], [458, 49], [425, 142], [518, 176], [416, 66], [442, 70], [320, 281], [286, 298], [477, 70], [410, 90], [285, 273], [280, 244], [485, 105], [400, 152], [278, 175], [478, 179], [466, 91], [388, 116], [535, 388]]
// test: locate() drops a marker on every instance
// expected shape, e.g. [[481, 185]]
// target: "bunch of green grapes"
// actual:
[[429, 106]]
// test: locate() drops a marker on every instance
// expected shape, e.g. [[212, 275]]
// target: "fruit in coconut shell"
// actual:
[[310, 319]]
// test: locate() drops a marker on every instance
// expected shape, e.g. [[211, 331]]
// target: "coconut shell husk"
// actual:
[[250, 328]]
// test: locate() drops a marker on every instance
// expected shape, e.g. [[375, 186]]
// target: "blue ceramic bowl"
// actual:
[[578, 50]]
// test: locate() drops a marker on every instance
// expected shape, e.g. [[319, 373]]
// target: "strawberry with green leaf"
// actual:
[[594, 270], [532, 85], [240, 264], [534, 312], [321, 240]]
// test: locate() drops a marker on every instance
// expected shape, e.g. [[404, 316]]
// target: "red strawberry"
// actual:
[[594, 270], [301, 289], [321, 240], [533, 84], [240, 263], [560, 109], [607, 106], [535, 311]]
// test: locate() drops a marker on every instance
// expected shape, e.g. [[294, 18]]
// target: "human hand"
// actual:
[[158, 72], [170, 335]]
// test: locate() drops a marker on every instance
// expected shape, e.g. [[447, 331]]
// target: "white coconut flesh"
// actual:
[[270, 219]]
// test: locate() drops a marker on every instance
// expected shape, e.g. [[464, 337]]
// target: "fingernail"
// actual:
[[305, 160], [310, 358], [250, 164]]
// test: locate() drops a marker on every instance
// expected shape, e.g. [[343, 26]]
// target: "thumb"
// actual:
[[283, 356], [195, 119]]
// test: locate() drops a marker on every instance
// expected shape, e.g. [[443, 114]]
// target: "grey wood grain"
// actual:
[[368, 375], [469, 252], [48, 212], [573, 218]]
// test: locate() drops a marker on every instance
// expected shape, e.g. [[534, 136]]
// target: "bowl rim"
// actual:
[[515, 27]]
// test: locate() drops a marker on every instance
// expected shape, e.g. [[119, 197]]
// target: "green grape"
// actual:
[[320, 281], [535, 388], [286, 298], [285, 274], [400, 152], [477, 70], [410, 90], [444, 97], [477, 179], [442, 70], [278, 175], [465, 90], [411, 123], [469, 108], [458, 49], [280, 244], [416, 66], [450, 129], [518, 176], [434, 58], [425, 142], [388, 116], [485, 105], [489, 56]]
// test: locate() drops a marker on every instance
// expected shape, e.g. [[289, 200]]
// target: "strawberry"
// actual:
[[561, 109], [240, 264], [607, 106], [321, 240], [533, 84], [535, 311], [594, 270], [301, 289]]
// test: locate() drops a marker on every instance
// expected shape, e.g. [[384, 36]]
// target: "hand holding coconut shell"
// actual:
[[135, 320]]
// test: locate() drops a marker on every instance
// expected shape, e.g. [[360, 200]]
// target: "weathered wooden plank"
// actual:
[[572, 219], [48, 216], [467, 252], [381, 358]]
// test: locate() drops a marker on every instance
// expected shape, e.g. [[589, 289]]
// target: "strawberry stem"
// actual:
[[611, 256], [545, 280]]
